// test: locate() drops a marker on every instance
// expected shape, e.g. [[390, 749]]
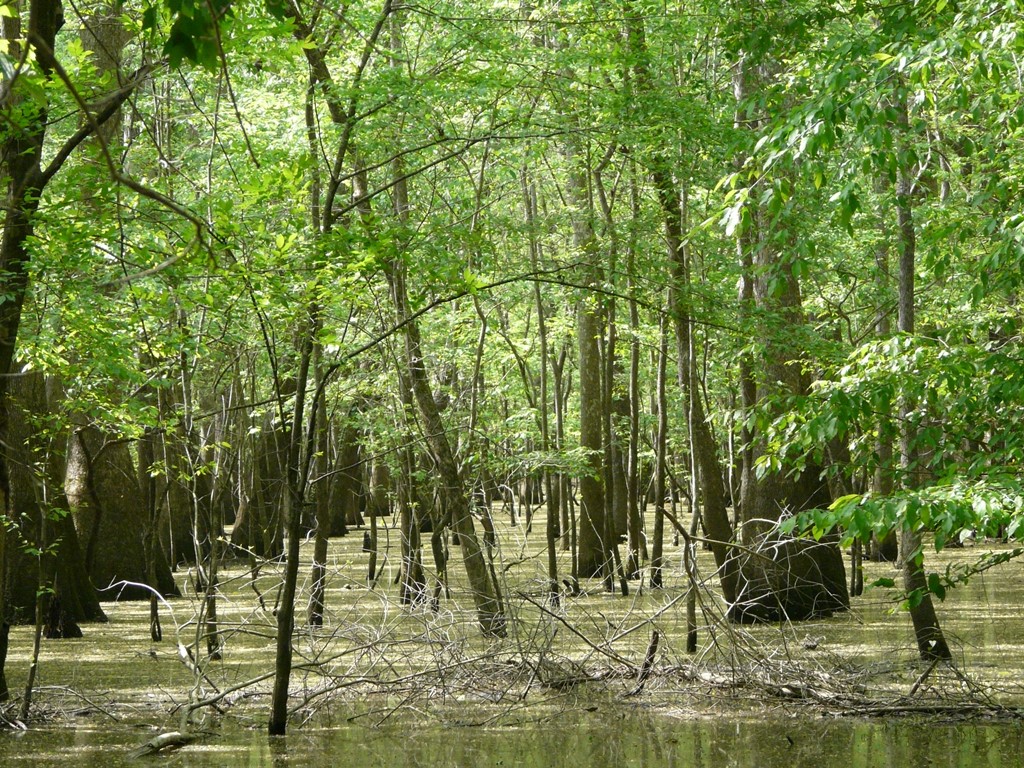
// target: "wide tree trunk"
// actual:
[[103, 493], [347, 486], [784, 578], [40, 519], [259, 521]]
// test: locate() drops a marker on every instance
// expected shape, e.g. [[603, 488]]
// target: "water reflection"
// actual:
[[612, 740]]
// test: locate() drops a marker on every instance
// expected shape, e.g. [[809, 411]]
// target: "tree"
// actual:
[[47, 562], [27, 106], [905, 112]]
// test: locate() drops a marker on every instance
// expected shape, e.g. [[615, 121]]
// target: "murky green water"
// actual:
[[609, 741], [116, 672]]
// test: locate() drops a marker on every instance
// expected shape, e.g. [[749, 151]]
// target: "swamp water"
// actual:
[[104, 695], [606, 741]]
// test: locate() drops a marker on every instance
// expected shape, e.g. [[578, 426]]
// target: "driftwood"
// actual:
[[163, 742]]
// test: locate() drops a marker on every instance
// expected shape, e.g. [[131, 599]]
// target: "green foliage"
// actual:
[[190, 29], [966, 401], [966, 397], [993, 507]]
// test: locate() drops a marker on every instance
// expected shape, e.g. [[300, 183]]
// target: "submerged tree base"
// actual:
[[790, 580]]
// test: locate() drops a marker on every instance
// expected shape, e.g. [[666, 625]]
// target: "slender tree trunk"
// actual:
[[887, 548], [322, 526], [567, 520], [744, 251], [455, 499], [636, 544], [716, 515], [614, 408], [661, 463], [322, 521], [412, 587], [931, 642], [454, 496], [593, 557], [21, 169], [148, 486], [294, 499], [551, 529]]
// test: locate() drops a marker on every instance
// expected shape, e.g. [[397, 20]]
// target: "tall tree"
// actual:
[[931, 642], [31, 37]]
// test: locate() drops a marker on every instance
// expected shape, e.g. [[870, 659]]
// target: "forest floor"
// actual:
[[375, 661]]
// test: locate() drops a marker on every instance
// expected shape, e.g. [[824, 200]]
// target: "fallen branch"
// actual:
[[604, 651]]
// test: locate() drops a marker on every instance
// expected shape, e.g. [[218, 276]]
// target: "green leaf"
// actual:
[[7, 66], [149, 18], [277, 8], [935, 586], [845, 501]]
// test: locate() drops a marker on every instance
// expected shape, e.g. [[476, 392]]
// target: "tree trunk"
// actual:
[[103, 493], [259, 522], [294, 498], [36, 482], [552, 527], [635, 519], [786, 578], [412, 588], [931, 642], [885, 549], [455, 498], [25, 177], [716, 516], [593, 556], [322, 521], [661, 462]]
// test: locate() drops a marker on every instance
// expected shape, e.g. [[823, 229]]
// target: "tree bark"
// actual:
[[593, 555], [36, 482], [103, 492], [456, 502], [661, 463], [716, 514], [552, 526], [931, 642]]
